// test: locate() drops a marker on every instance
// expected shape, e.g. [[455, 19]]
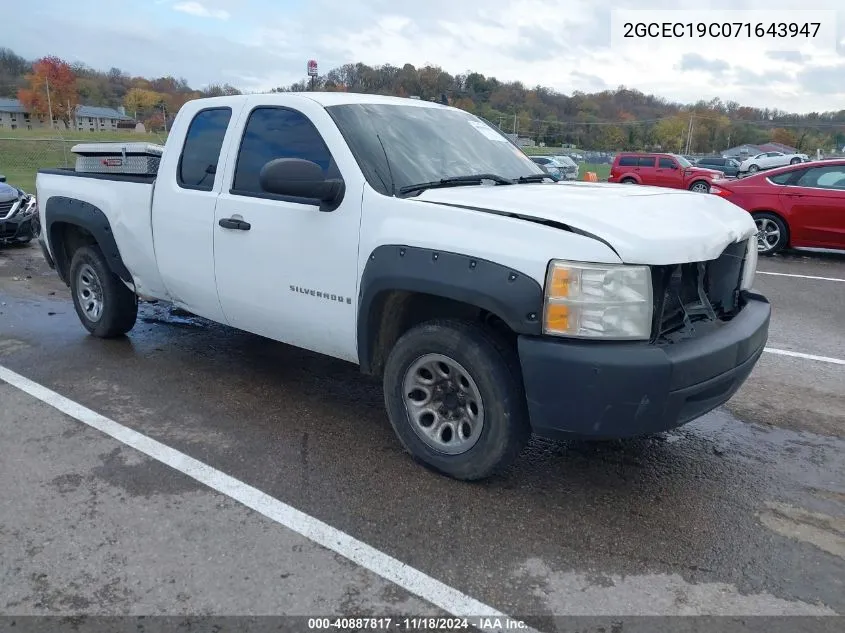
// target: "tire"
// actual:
[[490, 374], [104, 305], [700, 186], [628, 181], [771, 222], [795, 161], [753, 169]]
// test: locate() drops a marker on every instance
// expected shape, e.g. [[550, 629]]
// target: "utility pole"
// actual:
[[689, 135], [514, 123], [164, 111], [49, 102]]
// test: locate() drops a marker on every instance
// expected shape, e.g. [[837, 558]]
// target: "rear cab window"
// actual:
[[201, 150], [275, 132]]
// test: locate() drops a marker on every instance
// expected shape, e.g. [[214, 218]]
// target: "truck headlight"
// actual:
[[749, 268], [598, 301]]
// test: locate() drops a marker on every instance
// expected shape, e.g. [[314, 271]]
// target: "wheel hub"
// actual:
[[443, 403]]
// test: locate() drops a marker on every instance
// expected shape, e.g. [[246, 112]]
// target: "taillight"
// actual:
[[718, 191]]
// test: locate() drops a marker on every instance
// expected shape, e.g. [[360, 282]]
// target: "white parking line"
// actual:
[[412, 580], [786, 352], [763, 272]]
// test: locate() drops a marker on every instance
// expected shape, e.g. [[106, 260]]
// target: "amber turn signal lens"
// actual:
[[557, 317], [561, 279]]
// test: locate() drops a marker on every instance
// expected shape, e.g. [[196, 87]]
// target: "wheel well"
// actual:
[[394, 312], [65, 240]]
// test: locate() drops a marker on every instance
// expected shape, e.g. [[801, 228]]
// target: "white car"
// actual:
[[413, 240], [768, 160]]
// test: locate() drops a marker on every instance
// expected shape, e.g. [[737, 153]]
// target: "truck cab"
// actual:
[[419, 242]]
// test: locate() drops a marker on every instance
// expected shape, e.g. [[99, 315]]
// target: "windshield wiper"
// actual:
[[457, 181], [533, 178]]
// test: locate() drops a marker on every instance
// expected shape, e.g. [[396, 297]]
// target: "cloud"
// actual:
[[694, 61], [745, 77], [200, 10], [788, 56], [823, 80]]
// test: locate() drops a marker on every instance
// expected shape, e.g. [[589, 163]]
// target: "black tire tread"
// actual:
[[518, 431]]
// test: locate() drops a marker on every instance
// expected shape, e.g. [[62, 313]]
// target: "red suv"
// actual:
[[662, 170]]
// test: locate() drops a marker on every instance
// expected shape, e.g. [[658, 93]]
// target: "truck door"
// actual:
[[285, 269], [183, 210]]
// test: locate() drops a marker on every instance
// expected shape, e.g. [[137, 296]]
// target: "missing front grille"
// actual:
[[688, 296]]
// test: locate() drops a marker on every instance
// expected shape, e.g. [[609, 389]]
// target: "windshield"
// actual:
[[423, 144], [683, 162]]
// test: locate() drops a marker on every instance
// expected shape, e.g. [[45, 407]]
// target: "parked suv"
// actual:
[[662, 170], [728, 166]]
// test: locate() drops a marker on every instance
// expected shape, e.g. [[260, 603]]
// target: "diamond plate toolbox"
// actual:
[[139, 159]]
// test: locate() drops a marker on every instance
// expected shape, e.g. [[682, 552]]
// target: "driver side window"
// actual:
[[272, 133]]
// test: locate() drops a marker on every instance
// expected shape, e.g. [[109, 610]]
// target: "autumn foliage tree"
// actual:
[[52, 90]]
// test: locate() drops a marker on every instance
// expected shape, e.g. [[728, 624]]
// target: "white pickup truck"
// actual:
[[418, 242]]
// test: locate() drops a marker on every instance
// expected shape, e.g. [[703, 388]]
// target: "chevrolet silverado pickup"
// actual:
[[416, 241]]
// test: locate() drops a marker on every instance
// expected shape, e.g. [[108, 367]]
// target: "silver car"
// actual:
[[569, 167]]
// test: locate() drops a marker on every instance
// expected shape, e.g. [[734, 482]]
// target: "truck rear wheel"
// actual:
[[454, 397], [106, 307]]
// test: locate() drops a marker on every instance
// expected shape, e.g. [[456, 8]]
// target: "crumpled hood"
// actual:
[[644, 225], [7, 192]]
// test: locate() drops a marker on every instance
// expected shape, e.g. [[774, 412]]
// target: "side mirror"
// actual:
[[301, 178], [2, 178]]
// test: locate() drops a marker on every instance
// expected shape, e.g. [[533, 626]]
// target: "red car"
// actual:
[[661, 170], [800, 205]]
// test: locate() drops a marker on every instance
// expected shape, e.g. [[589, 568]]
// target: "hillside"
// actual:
[[611, 120]]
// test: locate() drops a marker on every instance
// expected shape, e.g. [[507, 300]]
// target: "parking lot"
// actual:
[[194, 469]]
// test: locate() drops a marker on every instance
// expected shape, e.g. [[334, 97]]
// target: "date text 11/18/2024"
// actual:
[[491, 623]]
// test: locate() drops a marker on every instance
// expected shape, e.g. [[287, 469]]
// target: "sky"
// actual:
[[567, 45]]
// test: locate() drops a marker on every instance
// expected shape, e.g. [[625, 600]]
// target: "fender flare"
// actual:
[[60, 209], [514, 297]]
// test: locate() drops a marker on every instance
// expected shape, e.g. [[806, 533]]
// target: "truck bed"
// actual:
[[125, 200]]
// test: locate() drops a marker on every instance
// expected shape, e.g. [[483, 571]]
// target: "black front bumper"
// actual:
[[617, 390], [17, 228]]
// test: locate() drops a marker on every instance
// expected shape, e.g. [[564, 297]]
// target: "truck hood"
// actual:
[[644, 225], [703, 171]]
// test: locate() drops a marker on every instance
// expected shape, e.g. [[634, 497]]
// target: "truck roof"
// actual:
[[327, 99]]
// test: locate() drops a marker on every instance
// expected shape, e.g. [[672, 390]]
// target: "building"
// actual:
[[13, 116]]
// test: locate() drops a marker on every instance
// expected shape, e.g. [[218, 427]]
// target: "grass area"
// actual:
[[602, 171], [24, 152]]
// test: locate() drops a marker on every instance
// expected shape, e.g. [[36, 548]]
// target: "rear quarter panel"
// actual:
[[127, 206]]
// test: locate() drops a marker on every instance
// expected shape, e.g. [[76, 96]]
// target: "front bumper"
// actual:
[[17, 228], [617, 390]]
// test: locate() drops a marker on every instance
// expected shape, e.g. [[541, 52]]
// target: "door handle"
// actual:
[[232, 223]]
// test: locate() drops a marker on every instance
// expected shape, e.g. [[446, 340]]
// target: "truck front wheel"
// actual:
[[453, 393], [106, 307]]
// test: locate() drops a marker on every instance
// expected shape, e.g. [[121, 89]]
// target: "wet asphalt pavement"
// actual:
[[740, 512]]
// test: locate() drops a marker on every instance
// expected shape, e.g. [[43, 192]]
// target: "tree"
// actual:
[[140, 100], [52, 90], [784, 137], [671, 133]]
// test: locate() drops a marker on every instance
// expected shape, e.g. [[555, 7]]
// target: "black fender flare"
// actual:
[[514, 297], [60, 209]]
